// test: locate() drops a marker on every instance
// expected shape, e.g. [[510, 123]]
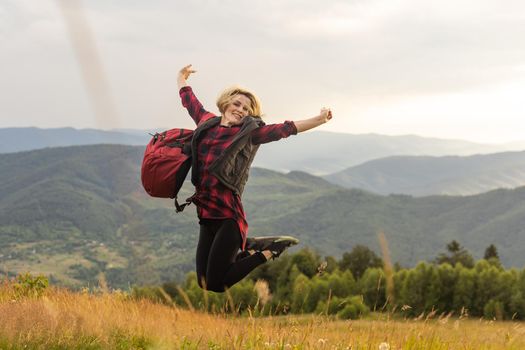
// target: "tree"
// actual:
[[454, 247], [342, 284], [372, 286], [491, 252], [358, 260], [307, 262], [331, 265], [301, 288], [420, 289], [487, 286], [447, 279], [517, 304], [274, 272], [464, 290], [457, 254], [320, 291]]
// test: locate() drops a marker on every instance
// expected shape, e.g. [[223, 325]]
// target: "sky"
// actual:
[[451, 69]]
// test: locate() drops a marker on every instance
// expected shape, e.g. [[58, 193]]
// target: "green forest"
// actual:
[[73, 213], [454, 284]]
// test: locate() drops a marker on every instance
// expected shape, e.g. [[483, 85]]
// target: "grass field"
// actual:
[[60, 319]]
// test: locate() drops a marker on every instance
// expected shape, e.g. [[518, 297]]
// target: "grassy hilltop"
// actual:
[[59, 319]]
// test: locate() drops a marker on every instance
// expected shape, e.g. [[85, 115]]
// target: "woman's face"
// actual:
[[238, 108]]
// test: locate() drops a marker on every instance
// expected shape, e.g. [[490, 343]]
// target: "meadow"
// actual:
[[56, 318]]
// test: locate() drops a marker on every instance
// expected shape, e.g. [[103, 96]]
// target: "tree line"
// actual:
[[360, 282]]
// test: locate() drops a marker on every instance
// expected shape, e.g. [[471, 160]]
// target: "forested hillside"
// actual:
[[74, 212]]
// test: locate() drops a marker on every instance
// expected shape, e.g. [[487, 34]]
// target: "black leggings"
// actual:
[[219, 266]]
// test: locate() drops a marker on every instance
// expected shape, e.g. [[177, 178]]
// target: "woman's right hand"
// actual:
[[184, 73]]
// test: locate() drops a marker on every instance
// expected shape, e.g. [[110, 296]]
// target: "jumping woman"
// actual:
[[223, 148]]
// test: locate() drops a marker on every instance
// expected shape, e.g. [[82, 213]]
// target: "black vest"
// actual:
[[233, 165]]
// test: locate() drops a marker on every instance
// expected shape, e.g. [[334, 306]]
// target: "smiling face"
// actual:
[[238, 108], [235, 103]]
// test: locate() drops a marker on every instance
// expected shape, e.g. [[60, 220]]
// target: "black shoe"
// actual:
[[275, 244]]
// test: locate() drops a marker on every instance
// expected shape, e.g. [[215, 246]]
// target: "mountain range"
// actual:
[[424, 175], [74, 212], [316, 152]]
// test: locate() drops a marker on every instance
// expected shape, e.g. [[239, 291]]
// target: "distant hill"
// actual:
[[450, 175], [322, 153], [75, 212], [316, 152], [26, 139]]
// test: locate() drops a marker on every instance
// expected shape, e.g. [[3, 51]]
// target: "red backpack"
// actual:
[[167, 161]]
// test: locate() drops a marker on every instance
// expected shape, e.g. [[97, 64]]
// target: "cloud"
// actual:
[[407, 47], [298, 55]]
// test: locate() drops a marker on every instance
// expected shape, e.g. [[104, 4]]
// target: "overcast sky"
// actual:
[[447, 68]]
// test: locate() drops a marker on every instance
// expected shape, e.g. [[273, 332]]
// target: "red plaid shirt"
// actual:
[[213, 199]]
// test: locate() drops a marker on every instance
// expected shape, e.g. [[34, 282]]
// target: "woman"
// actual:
[[223, 149]]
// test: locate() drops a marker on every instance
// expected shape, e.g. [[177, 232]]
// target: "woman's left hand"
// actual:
[[314, 122], [326, 114]]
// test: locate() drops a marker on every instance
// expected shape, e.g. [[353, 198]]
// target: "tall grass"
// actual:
[[60, 319]]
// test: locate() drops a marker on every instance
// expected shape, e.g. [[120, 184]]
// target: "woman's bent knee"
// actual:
[[213, 287], [210, 285]]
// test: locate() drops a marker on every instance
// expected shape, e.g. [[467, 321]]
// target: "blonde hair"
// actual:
[[226, 97]]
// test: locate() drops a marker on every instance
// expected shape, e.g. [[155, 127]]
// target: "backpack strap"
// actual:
[[180, 207]]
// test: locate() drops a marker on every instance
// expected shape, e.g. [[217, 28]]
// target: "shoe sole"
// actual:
[[265, 242], [288, 241]]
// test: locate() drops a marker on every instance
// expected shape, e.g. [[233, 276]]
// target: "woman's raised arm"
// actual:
[[307, 124], [184, 73], [188, 98], [275, 132]]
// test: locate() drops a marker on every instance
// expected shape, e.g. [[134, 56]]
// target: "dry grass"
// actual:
[[63, 320]]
